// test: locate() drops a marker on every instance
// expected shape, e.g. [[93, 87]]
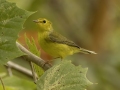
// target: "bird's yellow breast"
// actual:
[[55, 49]]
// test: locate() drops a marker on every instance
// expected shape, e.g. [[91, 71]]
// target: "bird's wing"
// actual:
[[57, 38]]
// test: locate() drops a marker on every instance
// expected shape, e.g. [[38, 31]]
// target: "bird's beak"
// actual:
[[36, 21]]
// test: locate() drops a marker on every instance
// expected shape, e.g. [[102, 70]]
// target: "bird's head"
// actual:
[[44, 24]]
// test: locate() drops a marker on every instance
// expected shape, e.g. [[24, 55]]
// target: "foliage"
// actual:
[[32, 47], [18, 83], [64, 76], [11, 21]]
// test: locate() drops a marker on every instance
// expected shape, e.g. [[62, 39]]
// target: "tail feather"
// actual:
[[85, 51]]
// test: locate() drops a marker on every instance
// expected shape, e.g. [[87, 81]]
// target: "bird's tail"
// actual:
[[85, 51]]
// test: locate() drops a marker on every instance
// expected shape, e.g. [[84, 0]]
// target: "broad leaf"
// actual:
[[8, 88], [64, 76], [18, 83], [11, 22]]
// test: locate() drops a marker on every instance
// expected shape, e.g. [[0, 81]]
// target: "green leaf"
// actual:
[[11, 22], [8, 88], [64, 76], [33, 48], [18, 83]]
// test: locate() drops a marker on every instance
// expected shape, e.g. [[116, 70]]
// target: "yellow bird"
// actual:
[[55, 44]]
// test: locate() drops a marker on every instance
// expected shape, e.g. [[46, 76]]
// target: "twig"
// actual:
[[9, 70], [19, 68], [33, 58], [33, 72], [2, 83]]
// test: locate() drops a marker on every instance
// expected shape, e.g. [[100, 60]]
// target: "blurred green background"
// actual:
[[92, 24]]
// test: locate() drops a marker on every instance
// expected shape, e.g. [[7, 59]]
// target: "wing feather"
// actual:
[[57, 38]]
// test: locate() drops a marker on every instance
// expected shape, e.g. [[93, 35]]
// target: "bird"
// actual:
[[54, 43]]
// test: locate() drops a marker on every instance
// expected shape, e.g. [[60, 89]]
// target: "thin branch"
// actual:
[[33, 58], [19, 68], [33, 72], [2, 83], [9, 70]]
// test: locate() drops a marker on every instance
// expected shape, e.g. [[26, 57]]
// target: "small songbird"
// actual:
[[55, 44]]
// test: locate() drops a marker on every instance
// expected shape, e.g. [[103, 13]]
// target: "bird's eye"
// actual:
[[44, 21]]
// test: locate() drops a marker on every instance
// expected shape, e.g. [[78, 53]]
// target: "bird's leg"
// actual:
[[47, 62], [50, 61]]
